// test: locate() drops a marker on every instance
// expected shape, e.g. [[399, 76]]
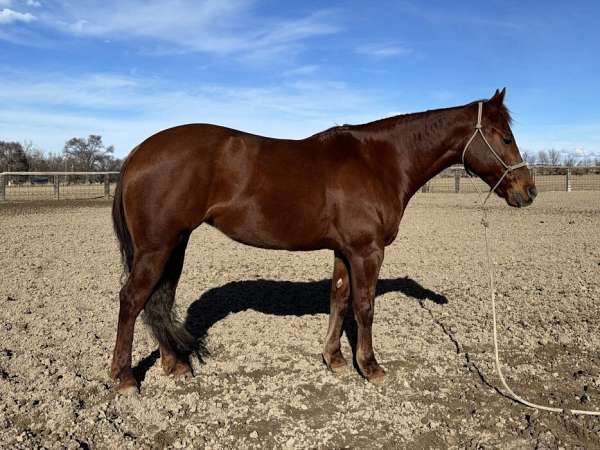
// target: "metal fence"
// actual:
[[17, 186], [547, 178]]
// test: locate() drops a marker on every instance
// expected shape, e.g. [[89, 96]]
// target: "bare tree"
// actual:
[[554, 157], [13, 157], [585, 162], [569, 160], [114, 165], [79, 154], [36, 157], [528, 157], [543, 158], [88, 154]]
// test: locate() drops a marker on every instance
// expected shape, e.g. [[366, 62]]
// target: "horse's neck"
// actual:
[[428, 145]]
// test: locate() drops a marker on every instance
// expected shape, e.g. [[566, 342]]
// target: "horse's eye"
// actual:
[[507, 140]]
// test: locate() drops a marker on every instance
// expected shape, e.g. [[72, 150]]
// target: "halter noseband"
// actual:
[[478, 128]]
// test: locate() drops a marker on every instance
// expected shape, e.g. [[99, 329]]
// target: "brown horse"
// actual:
[[344, 189]]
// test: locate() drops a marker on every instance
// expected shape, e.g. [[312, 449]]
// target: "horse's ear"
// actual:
[[498, 97]]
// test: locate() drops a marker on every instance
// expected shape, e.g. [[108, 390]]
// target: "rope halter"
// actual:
[[507, 168]]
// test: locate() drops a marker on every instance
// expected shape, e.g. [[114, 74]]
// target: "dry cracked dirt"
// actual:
[[262, 316]]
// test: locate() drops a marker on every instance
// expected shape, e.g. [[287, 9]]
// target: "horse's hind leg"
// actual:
[[364, 269], [146, 271], [339, 297], [174, 340]]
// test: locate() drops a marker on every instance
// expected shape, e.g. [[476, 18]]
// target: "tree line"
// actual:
[[78, 155], [556, 158], [91, 155]]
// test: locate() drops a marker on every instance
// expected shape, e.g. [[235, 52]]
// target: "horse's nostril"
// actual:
[[532, 191], [518, 198]]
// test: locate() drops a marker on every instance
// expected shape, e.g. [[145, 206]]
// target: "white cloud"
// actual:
[[224, 28], [34, 3], [52, 108], [9, 16], [301, 71], [461, 18], [382, 50], [221, 27]]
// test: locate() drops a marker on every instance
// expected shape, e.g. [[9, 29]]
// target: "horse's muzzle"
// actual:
[[522, 199]]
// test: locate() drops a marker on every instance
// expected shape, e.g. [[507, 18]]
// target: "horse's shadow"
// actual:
[[297, 298]]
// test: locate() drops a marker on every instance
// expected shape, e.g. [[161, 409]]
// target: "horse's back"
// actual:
[[261, 191]]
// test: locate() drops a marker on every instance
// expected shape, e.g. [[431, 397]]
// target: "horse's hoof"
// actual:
[[168, 366], [377, 377], [127, 388], [339, 369], [337, 365], [182, 369]]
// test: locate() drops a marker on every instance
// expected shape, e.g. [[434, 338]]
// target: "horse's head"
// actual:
[[493, 155]]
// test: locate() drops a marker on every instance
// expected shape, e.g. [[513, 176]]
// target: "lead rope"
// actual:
[[511, 393], [486, 225]]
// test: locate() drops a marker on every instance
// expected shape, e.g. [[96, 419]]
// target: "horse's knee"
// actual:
[[364, 312]]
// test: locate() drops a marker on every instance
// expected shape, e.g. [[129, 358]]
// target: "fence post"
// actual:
[[457, 181], [106, 186], [568, 180], [2, 187], [57, 187]]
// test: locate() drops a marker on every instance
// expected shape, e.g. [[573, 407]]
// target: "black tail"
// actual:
[[160, 316], [158, 313], [121, 230]]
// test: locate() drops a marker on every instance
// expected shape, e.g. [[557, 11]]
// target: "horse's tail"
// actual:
[[158, 311], [120, 227], [167, 329]]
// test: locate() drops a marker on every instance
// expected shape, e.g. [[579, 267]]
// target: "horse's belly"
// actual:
[[285, 229]]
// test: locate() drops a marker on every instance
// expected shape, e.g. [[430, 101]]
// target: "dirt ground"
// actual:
[[262, 316]]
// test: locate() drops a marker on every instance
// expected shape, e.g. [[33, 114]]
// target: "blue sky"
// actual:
[[126, 69]]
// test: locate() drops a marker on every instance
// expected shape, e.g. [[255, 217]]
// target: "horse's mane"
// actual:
[[387, 122], [505, 114]]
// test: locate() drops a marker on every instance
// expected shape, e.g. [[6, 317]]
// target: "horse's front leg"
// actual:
[[364, 271], [339, 296]]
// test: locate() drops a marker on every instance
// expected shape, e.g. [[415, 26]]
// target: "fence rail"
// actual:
[[18, 186], [547, 178]]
